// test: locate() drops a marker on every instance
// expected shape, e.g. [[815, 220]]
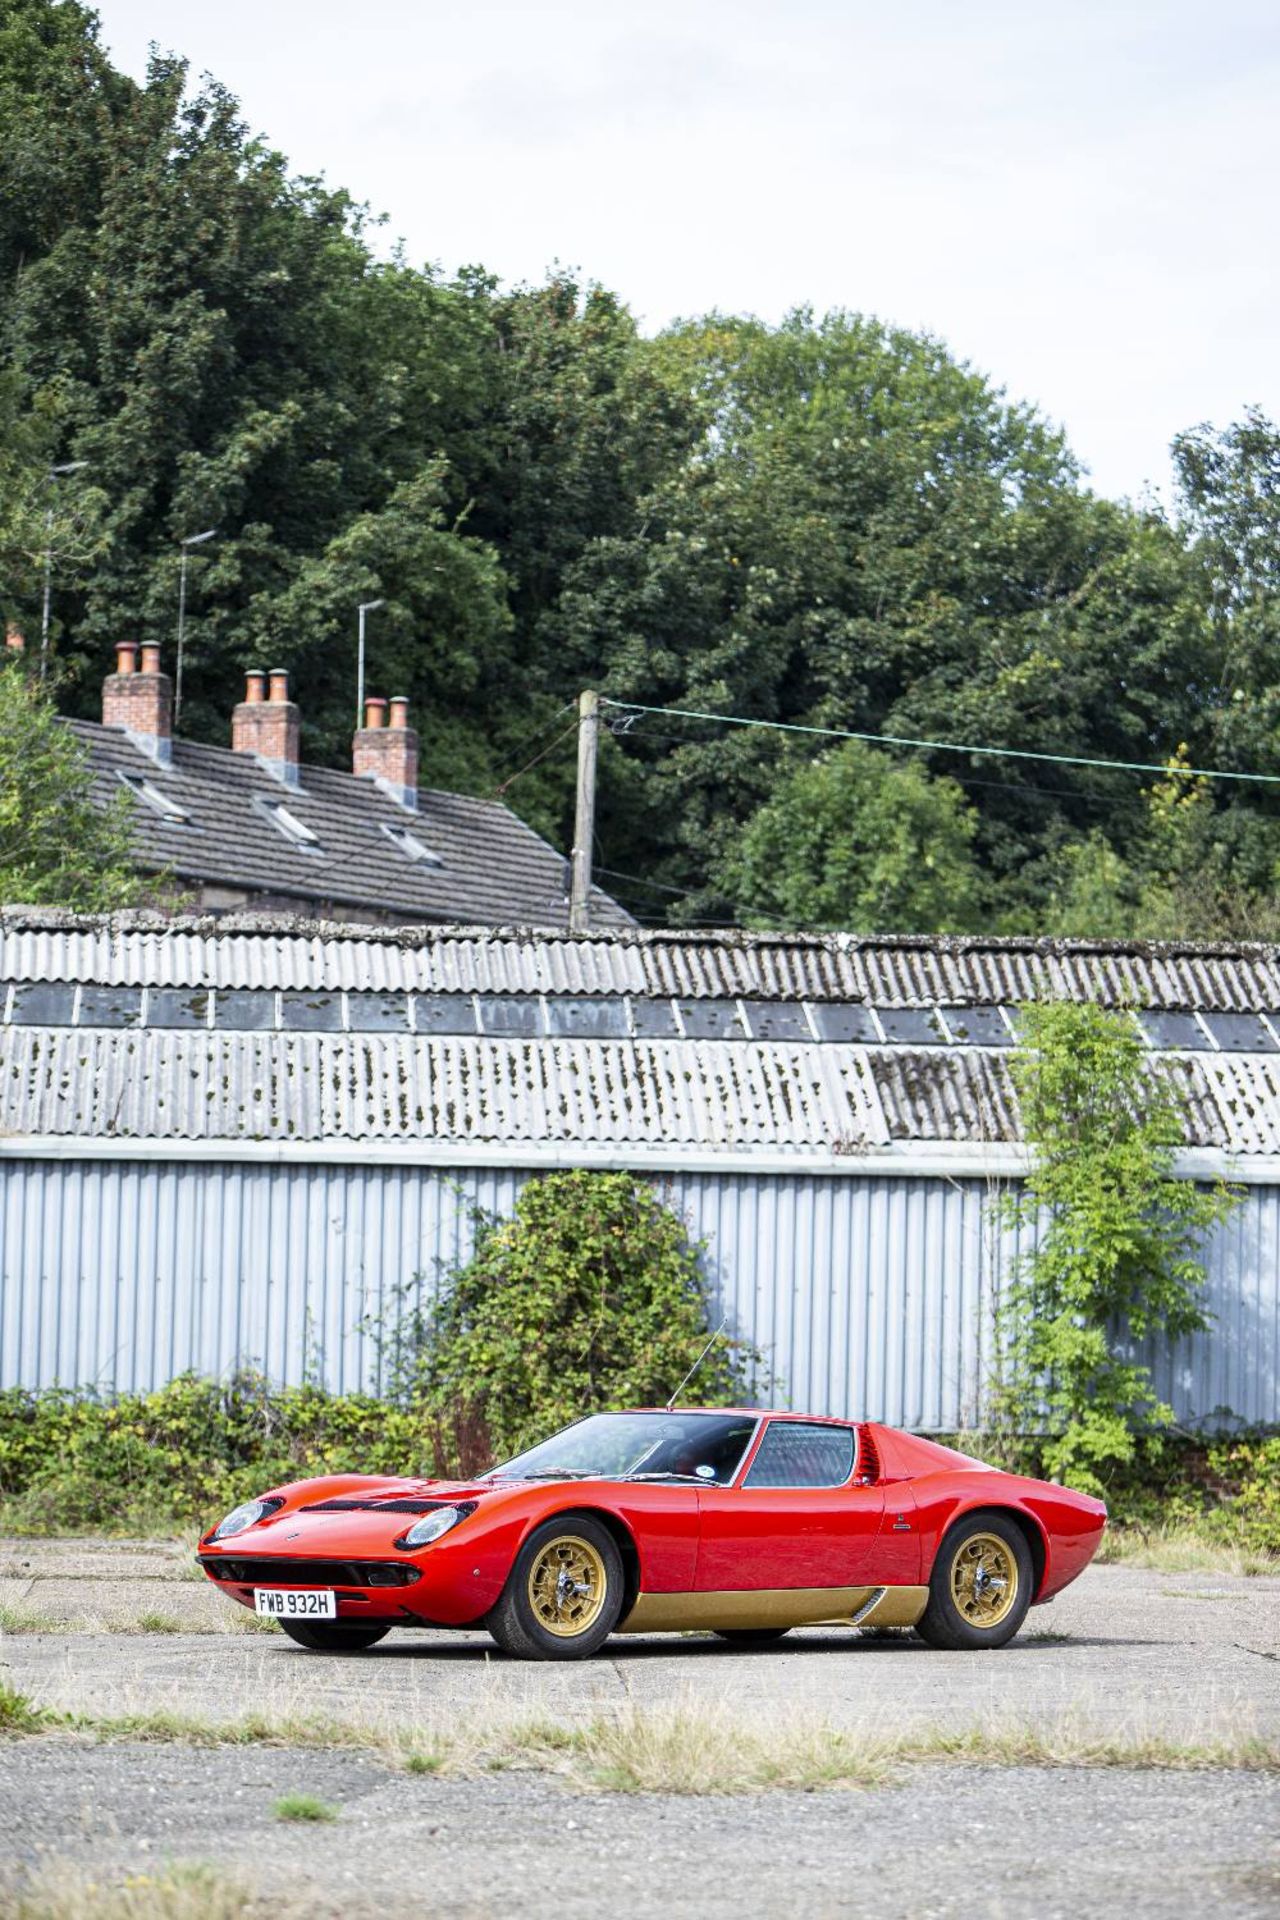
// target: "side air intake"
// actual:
[[868, 1460]]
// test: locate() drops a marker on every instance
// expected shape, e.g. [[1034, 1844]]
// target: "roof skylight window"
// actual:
[[285, 821], [409, 844], [846, 1022], [1240, 1032], [147, 791], [978, 1026], [110, 1006], [777, 1020], [1177, 1032], [711, 1019], [912, 1026], [587, 1019]]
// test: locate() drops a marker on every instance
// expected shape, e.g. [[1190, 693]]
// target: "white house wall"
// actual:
[[867, 1295]]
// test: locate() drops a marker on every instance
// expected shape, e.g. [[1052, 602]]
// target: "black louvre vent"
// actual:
[[356, 1505], [279, 1572], [868, 1460]]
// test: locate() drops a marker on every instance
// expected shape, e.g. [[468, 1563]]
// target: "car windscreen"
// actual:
[[686, 1446]]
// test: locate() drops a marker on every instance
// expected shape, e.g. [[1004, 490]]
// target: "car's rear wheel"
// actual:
[[751, 1636], [564, 1595], [981, 1585], [320, 1636]]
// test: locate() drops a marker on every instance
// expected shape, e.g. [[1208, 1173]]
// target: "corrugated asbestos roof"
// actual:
[[783, 1097], [254, 950], [490, 866]]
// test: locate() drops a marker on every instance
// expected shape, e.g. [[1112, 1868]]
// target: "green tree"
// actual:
[[856, 842], [1117, 1239], [864, 533], [589, 1297], [58, 845]]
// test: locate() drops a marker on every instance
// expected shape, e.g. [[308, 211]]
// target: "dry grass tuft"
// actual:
[[20, 1715], [174, 1893]]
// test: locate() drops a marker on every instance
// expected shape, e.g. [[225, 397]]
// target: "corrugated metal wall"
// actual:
[[868, 1296]]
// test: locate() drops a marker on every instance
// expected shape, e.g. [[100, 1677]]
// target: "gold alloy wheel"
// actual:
[[984, 1579], [568, 1586]]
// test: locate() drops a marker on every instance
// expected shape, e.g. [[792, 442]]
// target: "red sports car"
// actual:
[[657, 1521]]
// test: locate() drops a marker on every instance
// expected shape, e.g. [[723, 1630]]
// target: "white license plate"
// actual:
[[296, 1603]]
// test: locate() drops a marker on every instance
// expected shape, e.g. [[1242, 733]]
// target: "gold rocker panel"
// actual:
[[777, 1607]]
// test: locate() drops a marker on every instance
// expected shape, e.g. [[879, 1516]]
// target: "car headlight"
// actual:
[[244, 1517], [433, 1524]]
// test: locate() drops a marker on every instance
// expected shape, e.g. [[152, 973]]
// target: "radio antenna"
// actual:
[[697, 1363]]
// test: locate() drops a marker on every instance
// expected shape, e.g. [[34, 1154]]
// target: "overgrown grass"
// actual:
[[23, 1619], [179, 1892], [236, 1621], [1182, 1548], [682, 1749]]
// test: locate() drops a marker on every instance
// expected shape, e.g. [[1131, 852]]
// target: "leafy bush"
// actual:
[[186, 1452], [1225, 1489], [590, 1296], [1117, 1240]]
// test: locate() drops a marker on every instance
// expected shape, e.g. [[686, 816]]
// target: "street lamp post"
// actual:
[[193, 540], [367, 606], [55, 474]]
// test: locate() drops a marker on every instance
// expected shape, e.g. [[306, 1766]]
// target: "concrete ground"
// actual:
[[1187, 1656]]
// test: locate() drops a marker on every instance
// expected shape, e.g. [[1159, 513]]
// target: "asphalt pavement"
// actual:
[[1189, 1657]]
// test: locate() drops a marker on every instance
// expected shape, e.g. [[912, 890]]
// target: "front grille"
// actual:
[[279, 1572], [374, 1506]]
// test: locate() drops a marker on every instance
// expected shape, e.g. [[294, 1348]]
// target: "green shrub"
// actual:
[[186, 1452], [590, 1296]]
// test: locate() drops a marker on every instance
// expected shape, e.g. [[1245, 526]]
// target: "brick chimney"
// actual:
[[14, 639], [139, 699], [388, 754], [267, 724]]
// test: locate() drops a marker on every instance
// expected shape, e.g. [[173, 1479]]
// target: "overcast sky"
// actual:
[[1079, 198]]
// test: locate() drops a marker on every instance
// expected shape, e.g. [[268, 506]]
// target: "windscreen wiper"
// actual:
[[560, 1473], [694, 1479]]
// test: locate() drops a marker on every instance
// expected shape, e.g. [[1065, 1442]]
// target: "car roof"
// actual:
[[755, 1413]]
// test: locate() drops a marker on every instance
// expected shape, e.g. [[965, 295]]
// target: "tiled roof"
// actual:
[[493, 869]]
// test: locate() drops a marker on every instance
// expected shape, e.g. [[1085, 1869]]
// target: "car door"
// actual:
[[796, 1518]]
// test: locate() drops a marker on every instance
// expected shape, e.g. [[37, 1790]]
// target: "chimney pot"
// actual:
[[268, 728], [141, 704], [388, 755]]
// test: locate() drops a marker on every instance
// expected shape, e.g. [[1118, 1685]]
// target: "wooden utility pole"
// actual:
[[584, 824]]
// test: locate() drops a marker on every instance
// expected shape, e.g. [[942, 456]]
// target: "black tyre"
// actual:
[[565, 1592], [751, 1636], [981, 1586], [322, 1636]]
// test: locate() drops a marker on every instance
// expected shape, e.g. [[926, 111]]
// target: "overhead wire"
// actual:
[[948, 746]]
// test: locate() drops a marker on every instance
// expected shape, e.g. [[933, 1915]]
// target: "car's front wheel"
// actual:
[[981, 1585], [565, 1592], [318, 1636]]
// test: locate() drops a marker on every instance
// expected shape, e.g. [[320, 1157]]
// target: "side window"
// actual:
[[795, 1455]]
